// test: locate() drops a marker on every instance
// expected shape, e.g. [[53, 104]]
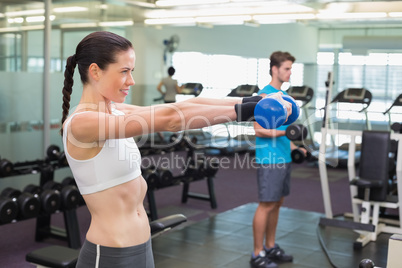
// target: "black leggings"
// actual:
[[96, 256]]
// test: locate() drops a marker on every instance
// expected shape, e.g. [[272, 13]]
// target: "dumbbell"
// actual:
[[28, 204], [271, 113], [366, 263], [6, 168], [50, 199], [70, 196], [298, 156], [71, 181], [151, 176], [195, 170], [53, 153], [177, 142], [165, 177], [8, 210], [396, 127], [296, 132]]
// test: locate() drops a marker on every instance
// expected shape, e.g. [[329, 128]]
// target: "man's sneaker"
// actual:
[[261, 261], [277, 254]]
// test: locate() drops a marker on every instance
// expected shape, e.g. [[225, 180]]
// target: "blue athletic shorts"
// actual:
[[273, 181], [96, 256]]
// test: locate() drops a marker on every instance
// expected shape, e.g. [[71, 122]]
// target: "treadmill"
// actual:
[[305, 94], [350, 95], [397, 102]]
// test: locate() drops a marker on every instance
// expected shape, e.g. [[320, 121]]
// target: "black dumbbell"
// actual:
[[151, 176], [70, 196], [298, 155], [71, 181], [396, 127], [50, 199], [28, 204], [8, 210], [6, 168], [366, 263], [296, 132], [165, 177], [53, 153]]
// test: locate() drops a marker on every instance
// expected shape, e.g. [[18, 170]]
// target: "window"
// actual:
[[219, 74], [380, 73]]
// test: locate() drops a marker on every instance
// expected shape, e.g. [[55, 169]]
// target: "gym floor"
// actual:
[[222, 237], [225, 240]]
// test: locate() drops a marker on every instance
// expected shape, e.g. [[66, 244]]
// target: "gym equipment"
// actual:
[[270, 113], [366, 263], [397, 102], [244, 91], [369, 189], [8, 210], [50, 199], [165, 178], [397, 127], [28, 204], [151, 177], [298, 155], [296, 132], [6, 168], [64, 257], [192, 89], [70, 196], [53, 153], [370, 229]]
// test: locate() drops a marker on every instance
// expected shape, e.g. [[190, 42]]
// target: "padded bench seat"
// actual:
[[53, 256]]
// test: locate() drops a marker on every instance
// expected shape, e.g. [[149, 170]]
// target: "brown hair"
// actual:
[[98, 47], [278, 57]]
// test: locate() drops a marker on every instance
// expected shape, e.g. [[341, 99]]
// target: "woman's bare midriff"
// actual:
[[118, 215]]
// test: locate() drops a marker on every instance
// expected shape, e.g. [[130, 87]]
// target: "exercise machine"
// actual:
[[305, 95], [364, 187], [337, 156], [397, 102]]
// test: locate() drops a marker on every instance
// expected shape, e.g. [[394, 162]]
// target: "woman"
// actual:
[[103, 156], [171, 87]]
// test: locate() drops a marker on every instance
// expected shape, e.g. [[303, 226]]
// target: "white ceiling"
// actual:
[[317, 13]]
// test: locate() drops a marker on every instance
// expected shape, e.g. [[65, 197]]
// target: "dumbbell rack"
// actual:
[[185, 180], [44, 229]]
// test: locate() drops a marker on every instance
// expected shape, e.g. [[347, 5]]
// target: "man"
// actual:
[[273, 155]]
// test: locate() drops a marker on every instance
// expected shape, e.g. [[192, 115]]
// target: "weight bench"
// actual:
[[64, 257]]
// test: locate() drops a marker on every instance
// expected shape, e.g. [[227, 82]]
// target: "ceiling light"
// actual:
[[15, 20], [38, 18], [116, 23], [171, 3], [69, 9], [170, 21]]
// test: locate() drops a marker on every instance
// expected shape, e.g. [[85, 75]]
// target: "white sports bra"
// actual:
[[119, 161]]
